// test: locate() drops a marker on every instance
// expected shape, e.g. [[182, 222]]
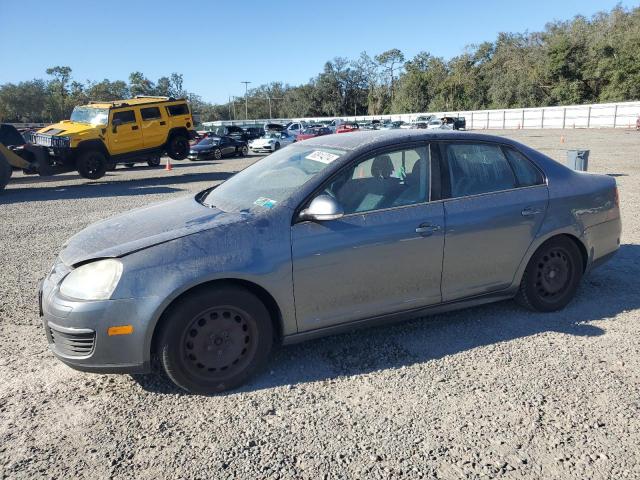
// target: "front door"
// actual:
[[497, 205], [127, 136], [384, 256]]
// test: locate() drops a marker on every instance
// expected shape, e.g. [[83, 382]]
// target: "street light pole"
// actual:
[[246, 107]]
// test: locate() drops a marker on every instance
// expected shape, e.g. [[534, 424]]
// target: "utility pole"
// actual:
[[246, 105], [229, 105], [272, 98], [234, 107]]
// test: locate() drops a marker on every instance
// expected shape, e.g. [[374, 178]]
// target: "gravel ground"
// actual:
[[487, 392]]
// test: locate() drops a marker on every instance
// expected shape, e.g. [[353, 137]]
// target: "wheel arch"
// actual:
[[178, 131], [93, 145], [263, 295], [535, 246]]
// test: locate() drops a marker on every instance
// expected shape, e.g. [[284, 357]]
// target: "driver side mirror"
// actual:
[[116, 122], [322, 208]]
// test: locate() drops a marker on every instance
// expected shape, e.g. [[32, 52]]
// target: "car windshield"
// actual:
[[272, 180], [90, 115]]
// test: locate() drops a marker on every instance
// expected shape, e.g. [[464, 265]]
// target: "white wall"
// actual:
[[603, 115]]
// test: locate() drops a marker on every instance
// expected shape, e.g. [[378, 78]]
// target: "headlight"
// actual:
[[93, 281]]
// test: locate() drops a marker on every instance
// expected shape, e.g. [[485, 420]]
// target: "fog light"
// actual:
[[120, 330]]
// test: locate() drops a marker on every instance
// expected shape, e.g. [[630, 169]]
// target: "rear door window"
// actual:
[[150, 113], [476, 168]]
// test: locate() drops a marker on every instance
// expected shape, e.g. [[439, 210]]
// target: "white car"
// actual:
[[438, 124], [419, 119], [271, 141]]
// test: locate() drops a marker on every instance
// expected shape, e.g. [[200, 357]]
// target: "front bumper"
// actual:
[[77, 331], [262, 148]]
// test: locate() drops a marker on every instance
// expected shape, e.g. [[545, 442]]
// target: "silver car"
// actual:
[[336, 232]]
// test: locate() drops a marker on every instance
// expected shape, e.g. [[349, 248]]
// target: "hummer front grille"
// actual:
[[49, 141]]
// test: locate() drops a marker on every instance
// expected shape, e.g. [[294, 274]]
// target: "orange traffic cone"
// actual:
[[168, 166]]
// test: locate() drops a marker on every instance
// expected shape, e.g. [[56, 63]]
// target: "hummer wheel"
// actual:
[[91, 164]]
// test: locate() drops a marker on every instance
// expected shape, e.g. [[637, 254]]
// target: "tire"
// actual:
[[244, 151], [214, 339], [217, 154], [91, 164], [277, 146], [178, 147], [5, 173], [552, 276], [154, 162]]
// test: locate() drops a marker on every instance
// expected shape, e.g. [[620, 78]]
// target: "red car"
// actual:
[[348, 127], [312, 132]]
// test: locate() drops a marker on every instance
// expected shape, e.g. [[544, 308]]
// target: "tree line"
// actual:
[[583, 60]]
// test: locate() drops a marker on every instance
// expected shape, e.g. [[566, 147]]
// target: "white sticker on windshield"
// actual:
[[323, 157], [265, 202]]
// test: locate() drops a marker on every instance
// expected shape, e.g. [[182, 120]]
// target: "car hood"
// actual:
[[143, 228], [263, 141], [67, 128], [200, 148]]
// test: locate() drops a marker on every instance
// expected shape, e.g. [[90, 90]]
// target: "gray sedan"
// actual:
[[333, 233]]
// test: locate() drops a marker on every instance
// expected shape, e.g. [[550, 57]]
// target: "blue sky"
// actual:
[[220, 44]]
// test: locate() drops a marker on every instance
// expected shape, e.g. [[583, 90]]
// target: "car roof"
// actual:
[[370, 139]]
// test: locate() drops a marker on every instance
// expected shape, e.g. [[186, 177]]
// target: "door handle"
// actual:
[[530, 212], [134, 127], [427, 229]]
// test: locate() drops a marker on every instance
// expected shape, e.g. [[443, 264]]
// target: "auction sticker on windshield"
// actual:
[[265, 202], [323, 157]]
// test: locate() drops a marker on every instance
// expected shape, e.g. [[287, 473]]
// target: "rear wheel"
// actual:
[[178, 147], [552, 276], [244, 151], [214, 339], [154, 162], [91, 164], [217, 154]]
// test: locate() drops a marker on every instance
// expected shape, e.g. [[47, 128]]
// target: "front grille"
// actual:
[[73, 344], [48, 140]]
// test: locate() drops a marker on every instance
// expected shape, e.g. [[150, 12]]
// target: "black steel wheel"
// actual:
[[552, 276], [217, 154], [178, 147], [214, 339], [91, 164]]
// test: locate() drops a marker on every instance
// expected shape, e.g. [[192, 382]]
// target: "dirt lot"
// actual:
[[490, 392]]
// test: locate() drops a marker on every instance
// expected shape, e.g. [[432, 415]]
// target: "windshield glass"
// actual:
[[90, 115], [272, 180]]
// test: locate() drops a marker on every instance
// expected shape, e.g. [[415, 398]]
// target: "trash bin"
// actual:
[[578, 159]]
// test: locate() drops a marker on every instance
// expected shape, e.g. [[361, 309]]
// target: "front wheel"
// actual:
[[277, 146], [244, 151], [178, 147], [91, 164], [214, 339], [217, 154], [552, 276]]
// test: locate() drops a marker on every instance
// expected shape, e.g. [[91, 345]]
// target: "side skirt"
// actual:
[[397, 317]]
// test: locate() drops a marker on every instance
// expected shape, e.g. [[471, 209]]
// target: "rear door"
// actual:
[[154, 126], [497, 202], [127, 136]]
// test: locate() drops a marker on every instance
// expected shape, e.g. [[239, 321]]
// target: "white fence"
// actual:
[[603, 115]]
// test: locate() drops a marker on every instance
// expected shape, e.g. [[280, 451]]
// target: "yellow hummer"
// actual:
[[102, 134]]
